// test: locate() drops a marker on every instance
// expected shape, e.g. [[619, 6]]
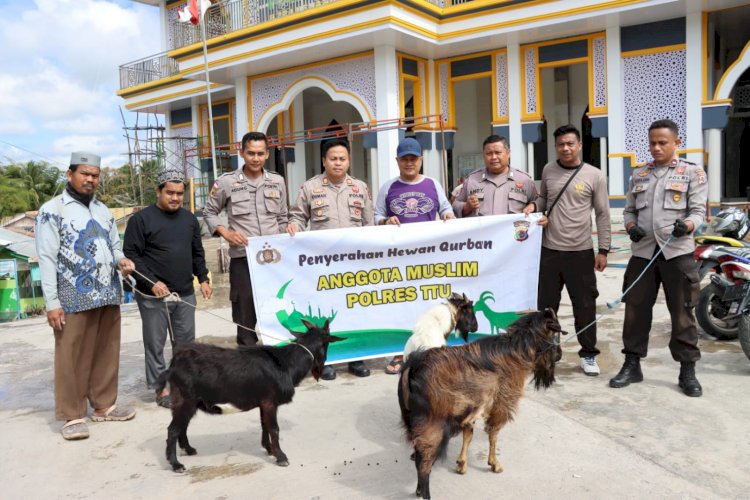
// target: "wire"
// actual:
[[33, 153]]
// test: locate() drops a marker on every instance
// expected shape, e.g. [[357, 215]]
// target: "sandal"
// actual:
[[114, 414], [164, 401], [394, 365], [75, 429]]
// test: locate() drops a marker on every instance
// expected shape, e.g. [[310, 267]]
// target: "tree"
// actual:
[[40, 180], [14, 198], [127, 186]]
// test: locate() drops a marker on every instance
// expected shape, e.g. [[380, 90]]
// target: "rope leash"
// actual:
[[611, 305], [174, 297]]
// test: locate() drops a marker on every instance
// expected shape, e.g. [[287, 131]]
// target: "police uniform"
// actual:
[[506, 193], [657, 196], [328, 206], [254, 210]]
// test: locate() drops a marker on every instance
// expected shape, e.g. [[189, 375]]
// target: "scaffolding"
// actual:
[[147, 143]]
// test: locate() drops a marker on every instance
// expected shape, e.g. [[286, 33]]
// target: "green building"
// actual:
[[20, 279]]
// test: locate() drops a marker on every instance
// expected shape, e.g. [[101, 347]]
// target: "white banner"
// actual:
[[373, 283]]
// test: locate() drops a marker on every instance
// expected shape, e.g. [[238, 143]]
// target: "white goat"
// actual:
[[433, 327]]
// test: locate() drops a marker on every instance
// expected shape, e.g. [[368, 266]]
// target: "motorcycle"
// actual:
[[720, 242], [734, 285], [722, 302]]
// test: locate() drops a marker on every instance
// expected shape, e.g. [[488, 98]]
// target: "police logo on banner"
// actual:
[[268, 255], [521, 230]]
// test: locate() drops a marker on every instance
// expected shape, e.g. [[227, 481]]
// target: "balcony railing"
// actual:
[[234, 15], [221, 18], [148, 69]]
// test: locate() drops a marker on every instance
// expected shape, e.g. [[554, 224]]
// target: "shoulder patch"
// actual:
[[520, 173]]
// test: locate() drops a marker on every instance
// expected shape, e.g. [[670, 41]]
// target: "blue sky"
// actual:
[[59, 76]]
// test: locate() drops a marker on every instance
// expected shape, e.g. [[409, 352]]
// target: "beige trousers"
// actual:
[[87, 362]]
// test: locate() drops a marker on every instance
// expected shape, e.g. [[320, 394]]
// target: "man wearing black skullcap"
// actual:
[[164, 240]]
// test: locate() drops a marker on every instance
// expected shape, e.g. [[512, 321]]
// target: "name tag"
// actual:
[[678, 178]]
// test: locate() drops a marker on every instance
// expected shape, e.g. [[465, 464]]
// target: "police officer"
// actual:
[[256, 204], [331, 200], [665, 198], [497, 188]]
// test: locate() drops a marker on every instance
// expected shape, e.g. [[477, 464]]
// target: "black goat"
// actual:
[[202, 376]]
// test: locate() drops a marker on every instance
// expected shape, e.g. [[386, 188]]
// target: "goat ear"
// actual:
[[465, 298], [308, 325], [294, 334], [334, 338]]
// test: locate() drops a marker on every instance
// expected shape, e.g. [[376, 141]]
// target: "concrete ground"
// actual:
[[343, 438]]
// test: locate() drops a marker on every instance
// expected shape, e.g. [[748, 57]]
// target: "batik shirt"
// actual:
[[78, 249]]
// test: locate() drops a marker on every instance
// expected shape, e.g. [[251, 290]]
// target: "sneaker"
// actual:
[[589, 366]]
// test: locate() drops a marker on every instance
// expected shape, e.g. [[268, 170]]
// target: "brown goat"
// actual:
[[443, 391]]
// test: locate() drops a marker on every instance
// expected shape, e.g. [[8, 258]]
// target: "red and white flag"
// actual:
[[193, 11]]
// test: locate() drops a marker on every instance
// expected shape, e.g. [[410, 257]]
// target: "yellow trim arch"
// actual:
[[727, 82], [307, 82]]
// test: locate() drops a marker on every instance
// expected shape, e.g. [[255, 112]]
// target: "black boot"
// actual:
[[359, 369], [629, 373], [688, 383], [328, 373]]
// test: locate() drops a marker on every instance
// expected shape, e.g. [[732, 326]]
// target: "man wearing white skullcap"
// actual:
[[79, 255]]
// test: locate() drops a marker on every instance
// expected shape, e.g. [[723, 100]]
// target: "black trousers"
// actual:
[[241, 296], [575, 271], [679, 277]]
